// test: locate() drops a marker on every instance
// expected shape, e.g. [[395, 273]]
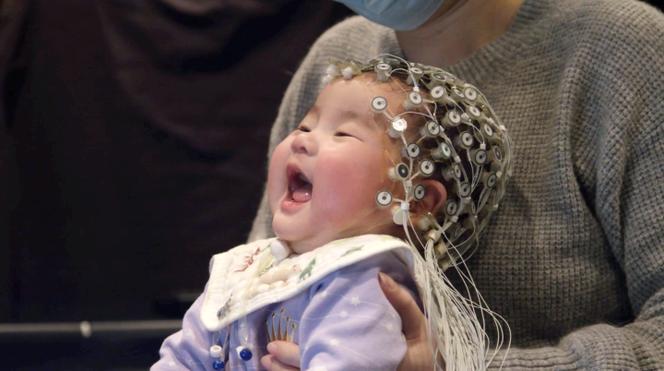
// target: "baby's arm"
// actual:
[[349, 324], [187, 349]]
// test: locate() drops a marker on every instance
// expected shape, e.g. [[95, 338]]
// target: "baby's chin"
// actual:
[[300, 244]]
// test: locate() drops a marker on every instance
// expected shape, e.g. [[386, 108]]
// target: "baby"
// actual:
[[396, 168]]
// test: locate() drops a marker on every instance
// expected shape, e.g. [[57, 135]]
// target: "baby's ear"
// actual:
[[434, 197]]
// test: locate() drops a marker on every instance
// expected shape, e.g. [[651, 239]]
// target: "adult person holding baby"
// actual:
[[576, 264]]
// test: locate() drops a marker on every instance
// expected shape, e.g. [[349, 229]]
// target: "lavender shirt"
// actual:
[[341, 319]]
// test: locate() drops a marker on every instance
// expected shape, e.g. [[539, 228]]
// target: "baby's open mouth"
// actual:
[[299, 187]]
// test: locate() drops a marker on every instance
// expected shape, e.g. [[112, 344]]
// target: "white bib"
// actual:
[[251, 276]]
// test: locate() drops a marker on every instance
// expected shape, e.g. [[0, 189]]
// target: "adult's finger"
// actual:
[[285, 352], [419, 356], [271, 363], [412, 319]]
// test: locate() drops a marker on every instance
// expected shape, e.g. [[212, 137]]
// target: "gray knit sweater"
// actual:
[[574, 258]]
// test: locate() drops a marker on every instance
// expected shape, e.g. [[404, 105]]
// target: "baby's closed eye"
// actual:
[[343, 134]]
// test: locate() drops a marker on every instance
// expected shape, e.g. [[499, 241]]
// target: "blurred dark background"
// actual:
[[133, 138]]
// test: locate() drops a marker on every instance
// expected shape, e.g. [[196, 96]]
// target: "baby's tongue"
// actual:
[[302, 193]]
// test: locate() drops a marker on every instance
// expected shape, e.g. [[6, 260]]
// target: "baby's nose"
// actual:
[[304, 143]]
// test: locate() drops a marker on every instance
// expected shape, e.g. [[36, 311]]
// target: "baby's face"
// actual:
[[323, 178]]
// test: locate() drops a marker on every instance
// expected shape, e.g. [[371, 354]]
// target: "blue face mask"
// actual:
[[400, 15]]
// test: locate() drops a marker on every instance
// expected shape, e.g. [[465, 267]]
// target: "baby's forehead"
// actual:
[[392, 86], [394, 91], [356, 95]]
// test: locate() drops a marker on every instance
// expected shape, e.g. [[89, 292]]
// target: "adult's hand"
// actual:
[[418, 353], [285, 356], [282, 356]]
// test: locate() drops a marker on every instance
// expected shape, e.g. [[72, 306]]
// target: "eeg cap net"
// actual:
[[460, 142]]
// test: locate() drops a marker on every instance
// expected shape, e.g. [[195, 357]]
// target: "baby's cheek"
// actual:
[[349, 190], [276, 176]]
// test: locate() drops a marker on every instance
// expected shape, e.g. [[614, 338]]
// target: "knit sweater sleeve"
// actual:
[[619, 146]]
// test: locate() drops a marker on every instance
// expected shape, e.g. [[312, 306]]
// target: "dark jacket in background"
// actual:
[[133, 139]]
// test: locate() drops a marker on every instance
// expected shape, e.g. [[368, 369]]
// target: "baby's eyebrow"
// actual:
[[345, 115], [348, 114], [357, 117], [341, 113]]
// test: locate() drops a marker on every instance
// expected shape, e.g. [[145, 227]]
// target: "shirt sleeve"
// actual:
[[188, 348], [349, 324]]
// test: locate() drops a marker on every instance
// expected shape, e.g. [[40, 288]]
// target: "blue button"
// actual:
[[245, 354]]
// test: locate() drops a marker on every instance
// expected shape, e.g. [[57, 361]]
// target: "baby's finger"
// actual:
[[412, 320], [285, 352], [270, 363]]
